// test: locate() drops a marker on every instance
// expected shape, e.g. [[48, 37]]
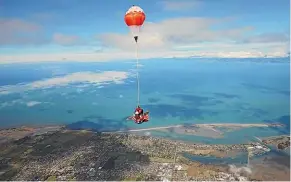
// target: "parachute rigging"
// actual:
[[134, 19]]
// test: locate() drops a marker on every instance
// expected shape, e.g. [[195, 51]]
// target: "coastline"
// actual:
[[106, 154], [211, 125], [16, 133], [208, 130]]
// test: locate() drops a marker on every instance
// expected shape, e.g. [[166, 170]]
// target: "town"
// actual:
[[85, 155]]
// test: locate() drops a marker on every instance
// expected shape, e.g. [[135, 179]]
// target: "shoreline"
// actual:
[[214, 127], [207, 130], [62, 154], [245, 125], [43, 125]]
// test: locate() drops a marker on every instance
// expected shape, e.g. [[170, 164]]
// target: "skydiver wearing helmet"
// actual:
[[138, 111], [138, 119], [139, 116]]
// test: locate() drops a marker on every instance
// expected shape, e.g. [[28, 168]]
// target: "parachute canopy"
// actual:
[[134, 16], [134, 19]]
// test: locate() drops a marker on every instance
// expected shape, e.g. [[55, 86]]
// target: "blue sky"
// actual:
[[92, 30]]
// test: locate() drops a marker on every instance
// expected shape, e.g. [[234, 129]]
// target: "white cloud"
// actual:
[[79, 77], [32, 103], [19, 32], [21, 102], [11, 103], [240, 50], [176, 31], [222, 50], [176, 37], [275, 37], [199, 38], [83, 86]]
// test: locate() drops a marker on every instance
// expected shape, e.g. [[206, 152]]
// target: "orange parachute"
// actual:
[[134, 19]]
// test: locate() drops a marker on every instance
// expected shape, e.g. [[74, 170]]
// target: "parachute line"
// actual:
[[137, 74], [134, 19]]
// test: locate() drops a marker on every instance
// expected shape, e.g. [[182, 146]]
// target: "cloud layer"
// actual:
[[182, 36], [174, 32], [200, 37], [19, 32], [79, 77], [21, 102]]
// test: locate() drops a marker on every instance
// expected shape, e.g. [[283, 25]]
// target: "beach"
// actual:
[[209, 125], [211, 130]]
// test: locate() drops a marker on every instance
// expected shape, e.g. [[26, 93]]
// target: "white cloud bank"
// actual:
[[200, 37], [32, 103], [20, 32], [21, 102], [223, 50], [79, 77], [175, 37]]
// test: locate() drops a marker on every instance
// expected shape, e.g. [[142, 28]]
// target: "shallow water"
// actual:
[[175, 91]]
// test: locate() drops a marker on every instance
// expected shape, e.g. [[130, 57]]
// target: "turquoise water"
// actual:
[[236, 137], [175, 91]]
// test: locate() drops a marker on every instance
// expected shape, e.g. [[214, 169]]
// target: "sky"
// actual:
[[92, 30]]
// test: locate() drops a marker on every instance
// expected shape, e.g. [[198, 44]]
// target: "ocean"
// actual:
[[175, 91]]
